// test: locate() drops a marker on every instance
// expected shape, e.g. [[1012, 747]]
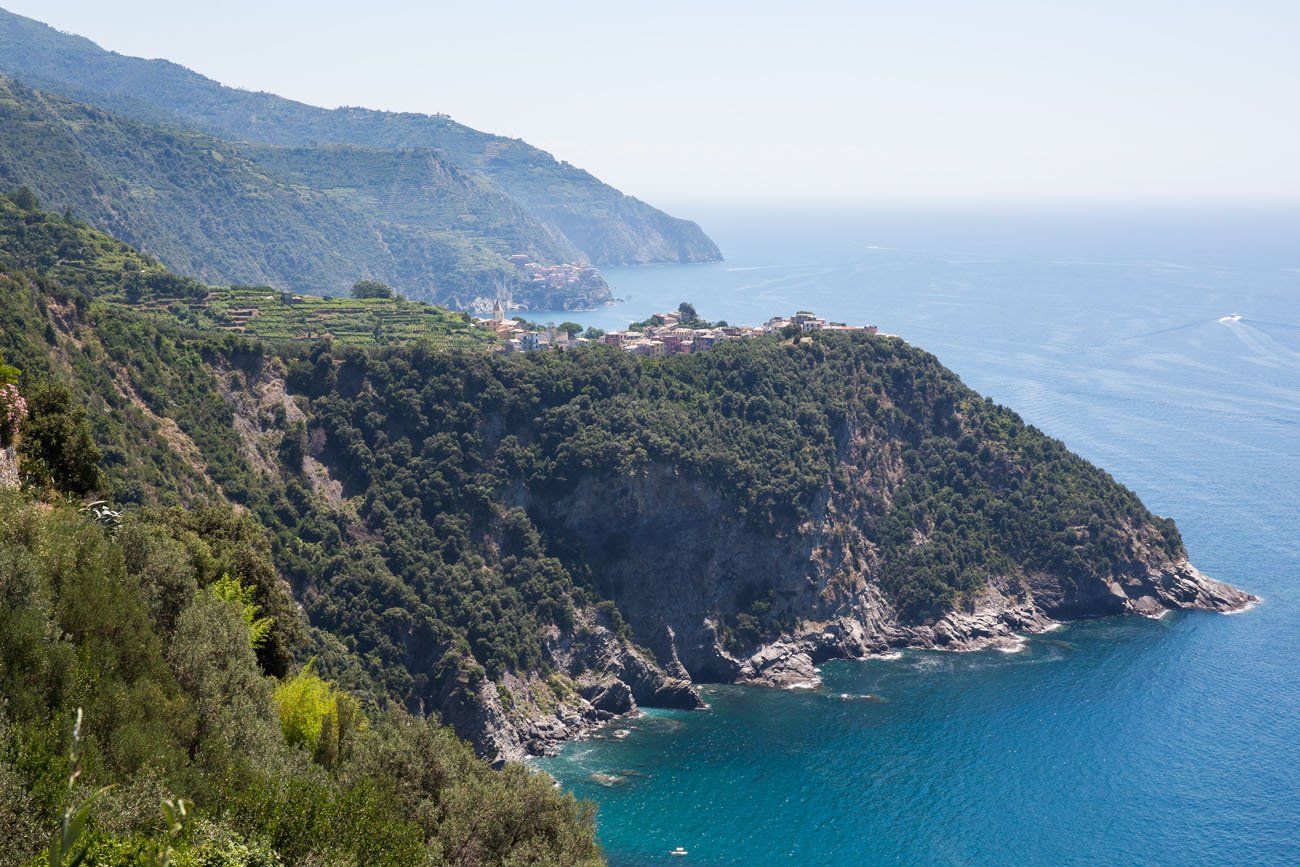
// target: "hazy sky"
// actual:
[[814, 100]]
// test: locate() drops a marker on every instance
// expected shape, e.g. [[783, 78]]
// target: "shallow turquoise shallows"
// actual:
[[1165, 347]]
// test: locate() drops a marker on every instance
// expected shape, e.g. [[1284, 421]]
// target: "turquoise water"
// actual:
[[1123, 741]]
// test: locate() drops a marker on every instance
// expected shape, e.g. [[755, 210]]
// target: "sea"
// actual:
[[1161, 343]]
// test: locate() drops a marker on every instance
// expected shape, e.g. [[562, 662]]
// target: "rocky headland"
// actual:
[[683, 566]]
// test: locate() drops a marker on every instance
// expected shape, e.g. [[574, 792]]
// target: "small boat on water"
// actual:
[[679, 852]]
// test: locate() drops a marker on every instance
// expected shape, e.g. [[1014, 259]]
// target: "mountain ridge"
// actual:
[[234, 213], [609, 227]]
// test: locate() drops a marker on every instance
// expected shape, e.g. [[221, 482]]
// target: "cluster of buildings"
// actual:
[[664, 333], [518, 336], [554, 276]]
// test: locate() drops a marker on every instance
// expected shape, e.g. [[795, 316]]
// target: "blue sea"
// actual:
[[1164, 345]]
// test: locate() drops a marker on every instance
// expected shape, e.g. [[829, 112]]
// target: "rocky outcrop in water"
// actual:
[[599, 675]]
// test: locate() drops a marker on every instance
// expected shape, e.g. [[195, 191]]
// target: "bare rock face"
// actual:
[[680, 564], [8, 468], [607, 694], [599, 675]]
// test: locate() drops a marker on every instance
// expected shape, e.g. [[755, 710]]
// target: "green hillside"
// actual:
[[217, 212], [119, 277], [172, 629], [420, 458], [579, 211], [144, 636]]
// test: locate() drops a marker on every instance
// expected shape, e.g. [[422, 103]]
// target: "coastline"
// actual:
[[993, 623]]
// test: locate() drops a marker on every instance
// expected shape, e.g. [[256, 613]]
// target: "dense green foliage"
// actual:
[[57, 448], [430, 576], [371, 289], [388, 156], [435, 438], [122, 623]]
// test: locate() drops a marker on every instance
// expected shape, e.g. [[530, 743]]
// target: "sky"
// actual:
[[814, 101]]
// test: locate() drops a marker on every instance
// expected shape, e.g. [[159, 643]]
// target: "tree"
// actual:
[[686, 310], [8, 373], [211, 657], [317, 716], [24, 198], [371, 289], [293, 447], [570, 328], [57, 447], [228, 589]]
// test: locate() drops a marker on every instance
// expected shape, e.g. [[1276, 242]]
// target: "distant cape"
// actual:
[[427, 204]]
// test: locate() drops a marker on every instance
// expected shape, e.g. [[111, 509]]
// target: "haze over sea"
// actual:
[[1120, 741]]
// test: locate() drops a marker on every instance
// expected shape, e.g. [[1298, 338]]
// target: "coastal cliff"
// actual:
[[734, 516], [541, 542], [717, 599], [683, 599], [527, 545]]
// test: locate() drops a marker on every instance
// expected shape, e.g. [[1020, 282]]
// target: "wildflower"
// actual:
[[13, 411]]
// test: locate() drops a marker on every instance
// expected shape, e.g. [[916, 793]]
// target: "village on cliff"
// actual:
[[662, 334]]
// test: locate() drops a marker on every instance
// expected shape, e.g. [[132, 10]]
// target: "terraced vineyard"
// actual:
[[266, 313], [114, 274]]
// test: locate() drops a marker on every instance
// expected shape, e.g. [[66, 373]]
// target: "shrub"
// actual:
[[57, 446], [228, 589], [317, 716]]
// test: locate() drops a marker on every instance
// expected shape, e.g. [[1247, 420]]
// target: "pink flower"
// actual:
[[13, 410]]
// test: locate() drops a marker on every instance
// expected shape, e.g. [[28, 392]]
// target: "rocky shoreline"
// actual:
[[610, 678], [994, 621]]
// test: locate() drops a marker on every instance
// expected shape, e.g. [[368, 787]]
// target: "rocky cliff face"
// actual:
[[640, 235], [682, 567], [599, 675]]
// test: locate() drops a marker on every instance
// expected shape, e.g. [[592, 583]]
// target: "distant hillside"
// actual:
[[72, 254], [610, 228], [309, 221]]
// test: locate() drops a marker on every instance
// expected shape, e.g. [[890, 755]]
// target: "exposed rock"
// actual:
[[607, 693], [781, 663], [673, 595], [599, 676], [8, 468], [474, 712], [680, 562]]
